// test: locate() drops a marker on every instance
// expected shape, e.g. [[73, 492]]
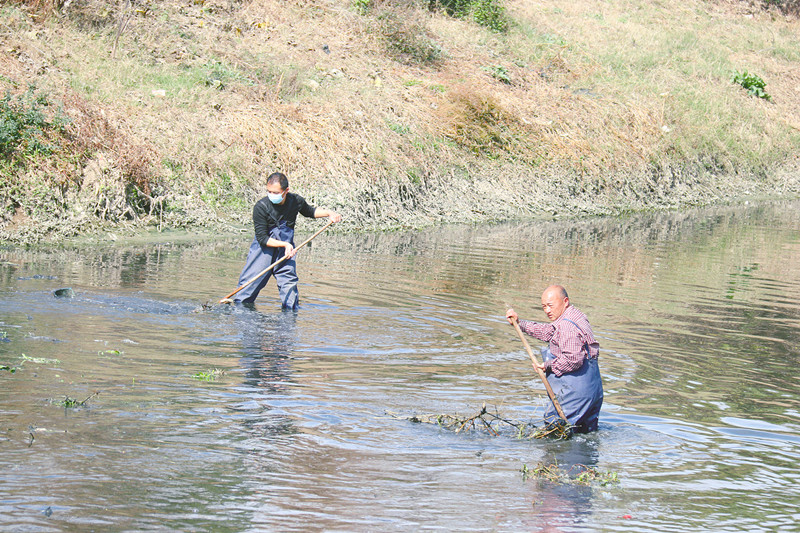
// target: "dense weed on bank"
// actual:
[[170, 114]]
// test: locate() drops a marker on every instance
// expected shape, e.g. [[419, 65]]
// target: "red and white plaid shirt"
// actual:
[[568, 342]]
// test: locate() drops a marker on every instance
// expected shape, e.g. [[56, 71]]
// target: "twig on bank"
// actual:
[[125, 17]]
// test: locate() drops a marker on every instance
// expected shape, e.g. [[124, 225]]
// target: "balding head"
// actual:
[[554, 301]]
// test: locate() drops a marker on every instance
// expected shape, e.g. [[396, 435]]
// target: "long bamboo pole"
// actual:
[[540, 372]]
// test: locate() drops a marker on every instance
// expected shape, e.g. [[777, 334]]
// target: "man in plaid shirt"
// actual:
[[570, 360]]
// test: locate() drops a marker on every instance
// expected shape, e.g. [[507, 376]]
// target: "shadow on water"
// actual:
[[566, 504], [268, 343]]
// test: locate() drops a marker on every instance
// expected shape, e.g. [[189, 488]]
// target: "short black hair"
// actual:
[[279, 178]]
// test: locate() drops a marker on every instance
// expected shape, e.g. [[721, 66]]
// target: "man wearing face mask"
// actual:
[[274, 217]]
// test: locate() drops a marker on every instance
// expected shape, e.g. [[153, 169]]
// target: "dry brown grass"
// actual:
[[602, 92], [92, 131], [38, 8]]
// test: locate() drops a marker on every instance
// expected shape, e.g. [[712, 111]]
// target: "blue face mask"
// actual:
[[275, 198]]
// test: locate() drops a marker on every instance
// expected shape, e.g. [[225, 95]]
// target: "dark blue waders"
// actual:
[[260, 257], [580, 393]]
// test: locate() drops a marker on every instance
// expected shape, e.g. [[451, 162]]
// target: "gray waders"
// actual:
[[260, 257]]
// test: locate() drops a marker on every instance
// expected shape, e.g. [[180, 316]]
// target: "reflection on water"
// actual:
[[696, 313]]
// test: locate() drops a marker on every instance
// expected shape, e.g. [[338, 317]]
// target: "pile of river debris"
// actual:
[[492, 423]]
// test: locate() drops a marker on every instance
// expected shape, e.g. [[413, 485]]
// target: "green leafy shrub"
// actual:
[[488, 13], [454, 8], [752, 82], [24, 126]]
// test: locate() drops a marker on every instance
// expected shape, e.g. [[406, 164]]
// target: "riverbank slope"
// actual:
[[170, 114]]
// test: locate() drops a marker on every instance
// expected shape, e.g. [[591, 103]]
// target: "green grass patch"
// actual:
[[400, 129], [111, 80], [224, 190]]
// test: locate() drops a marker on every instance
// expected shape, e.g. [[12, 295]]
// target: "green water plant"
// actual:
[[8, 368], [40, 360], [69, 403], [209, 375], [753, 83], [577, 474], [589, 475]]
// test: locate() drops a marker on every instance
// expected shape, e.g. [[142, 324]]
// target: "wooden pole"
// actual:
[[540, 372], [227, 299]]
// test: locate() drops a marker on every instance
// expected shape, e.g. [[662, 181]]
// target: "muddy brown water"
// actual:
[[697, 314]]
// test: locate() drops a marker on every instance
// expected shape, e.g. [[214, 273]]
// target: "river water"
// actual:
[[304, 426]]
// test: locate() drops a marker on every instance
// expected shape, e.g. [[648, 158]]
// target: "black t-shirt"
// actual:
[[267, 215]]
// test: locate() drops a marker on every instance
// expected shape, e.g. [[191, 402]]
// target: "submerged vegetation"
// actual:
[[395, 113]]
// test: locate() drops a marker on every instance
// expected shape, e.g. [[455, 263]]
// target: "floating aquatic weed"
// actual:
[[39, 360], [11, 369], [209, 375], [590, 475], [586, 475], [491, 422], [68, 402], [550, 472], [109, 352]]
